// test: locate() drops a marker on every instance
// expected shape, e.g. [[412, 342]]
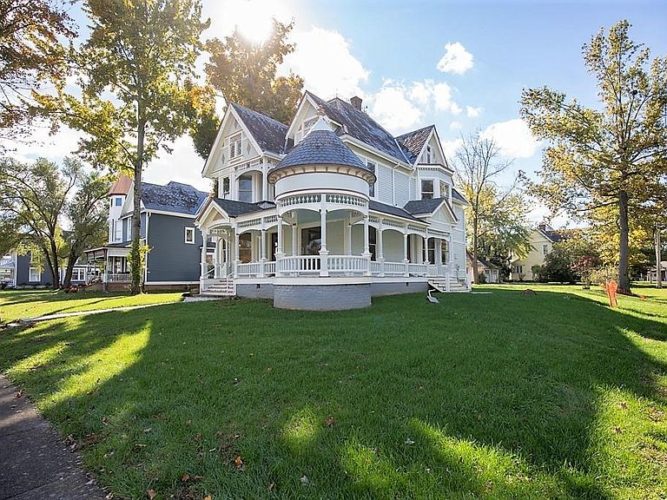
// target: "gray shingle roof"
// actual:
[[269, 133], [458, 196], [426, 206], [173, 197], [321, 147], [235, 208], [414, 141], [360, 126], [391, 210]]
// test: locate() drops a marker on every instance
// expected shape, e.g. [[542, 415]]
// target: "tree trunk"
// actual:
[[623, 258], [135, 252], [475, 267], [658, 258], [69, 268]]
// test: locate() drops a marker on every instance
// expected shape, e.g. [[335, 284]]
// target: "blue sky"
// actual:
[[391, 53]]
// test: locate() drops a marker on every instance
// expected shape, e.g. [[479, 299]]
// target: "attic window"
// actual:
[[235, 146], [429, 154]]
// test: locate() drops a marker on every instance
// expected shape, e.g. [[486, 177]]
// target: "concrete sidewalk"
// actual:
[[34, 461]]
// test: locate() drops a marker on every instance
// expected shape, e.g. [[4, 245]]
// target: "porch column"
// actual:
[[379, 250], [405, 254], [347, 237], [438, 256], [449, 260], [295, 241], [324, 268], [367, 252], [265, 185], [202, 275], [262, 252], [279, 249], [216, 256], [236, 253]]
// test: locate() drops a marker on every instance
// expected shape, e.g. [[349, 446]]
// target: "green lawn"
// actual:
[[19, 304], [494, 394]]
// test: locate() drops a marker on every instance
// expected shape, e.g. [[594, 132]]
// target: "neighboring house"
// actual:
[[490, 271], [542, 240], [21, 270], [167, 228], [651, 274], [329, 210]]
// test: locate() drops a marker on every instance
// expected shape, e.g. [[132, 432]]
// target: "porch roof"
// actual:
[[235, 208], [391, 210]]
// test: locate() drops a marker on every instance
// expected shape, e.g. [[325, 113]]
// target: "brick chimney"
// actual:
[[356, 102]]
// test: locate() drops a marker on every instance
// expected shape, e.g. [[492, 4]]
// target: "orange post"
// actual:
[[611, 287]]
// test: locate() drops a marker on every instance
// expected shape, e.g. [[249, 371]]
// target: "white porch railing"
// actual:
[[118, 277], [417, 269], [270, 268], [347, 264], [394, 268], [249, 269], [299, 264]]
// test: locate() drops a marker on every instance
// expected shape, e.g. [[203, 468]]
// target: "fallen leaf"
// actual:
[[409, 442], [329, 421], [208, 497], [151, 493], [19, 394], [105, 420], [304, 479], [238, 462], [185, 478], [272, 486], [109, 497], [623, 405], [618, 430], [147, 430]]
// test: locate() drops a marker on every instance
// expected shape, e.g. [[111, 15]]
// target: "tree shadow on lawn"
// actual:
[[499, 395]]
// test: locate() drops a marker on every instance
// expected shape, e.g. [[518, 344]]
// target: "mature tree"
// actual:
[[494, 216], [136, 70], [604, 157], [33, 197], [557, 266], [87, 212], [246, 73], [31, 55]]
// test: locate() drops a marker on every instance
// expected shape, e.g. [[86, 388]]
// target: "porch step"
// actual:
[[220, 288], [440, 284]]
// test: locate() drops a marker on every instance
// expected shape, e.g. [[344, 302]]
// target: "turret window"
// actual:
[[371, 187]]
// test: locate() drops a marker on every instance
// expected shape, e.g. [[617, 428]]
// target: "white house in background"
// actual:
[[652, 275], [329, 210], [542, 240]]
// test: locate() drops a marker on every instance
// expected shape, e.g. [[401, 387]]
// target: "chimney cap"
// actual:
[[356, 102]]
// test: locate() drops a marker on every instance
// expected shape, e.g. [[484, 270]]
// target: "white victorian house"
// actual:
[[329, 211]]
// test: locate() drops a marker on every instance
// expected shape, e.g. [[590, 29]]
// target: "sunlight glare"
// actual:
[[254, 18]]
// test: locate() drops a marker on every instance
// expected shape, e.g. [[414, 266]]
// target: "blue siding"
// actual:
[[170, 258], [23, 272]]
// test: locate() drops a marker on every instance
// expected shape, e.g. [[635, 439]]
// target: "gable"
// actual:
[[231, 128]]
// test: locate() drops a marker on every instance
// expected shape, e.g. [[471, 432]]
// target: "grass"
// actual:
[[498, 394], [19, 304]]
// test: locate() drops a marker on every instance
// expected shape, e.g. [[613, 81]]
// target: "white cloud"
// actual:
[[182, 165], [473, 112], [391, 106], [456, 60], [442, 94], [323, 58], [400, 106], [455, 125], [40, 144], [513, 137], [450, 147]]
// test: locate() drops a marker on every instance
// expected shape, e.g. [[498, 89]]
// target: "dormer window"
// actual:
[[235, 146], [305, 128]]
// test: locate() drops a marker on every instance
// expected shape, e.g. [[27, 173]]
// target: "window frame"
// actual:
[[191, 230], [421, 189], [235, 146], [239, 192], [371, 187], [32, 269], [226, 190]]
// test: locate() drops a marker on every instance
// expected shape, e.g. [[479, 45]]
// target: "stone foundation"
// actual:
[[333, 297], [255, 291], [379, 288]]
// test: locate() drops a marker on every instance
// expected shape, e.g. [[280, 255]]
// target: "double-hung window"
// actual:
[[190, 235], [427, 189], [34, 274], [245, 188]]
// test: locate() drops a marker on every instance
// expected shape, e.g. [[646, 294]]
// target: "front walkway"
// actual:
[[34, 461]]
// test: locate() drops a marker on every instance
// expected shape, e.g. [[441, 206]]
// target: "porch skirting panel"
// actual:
[[332, 297], [380, 288]]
